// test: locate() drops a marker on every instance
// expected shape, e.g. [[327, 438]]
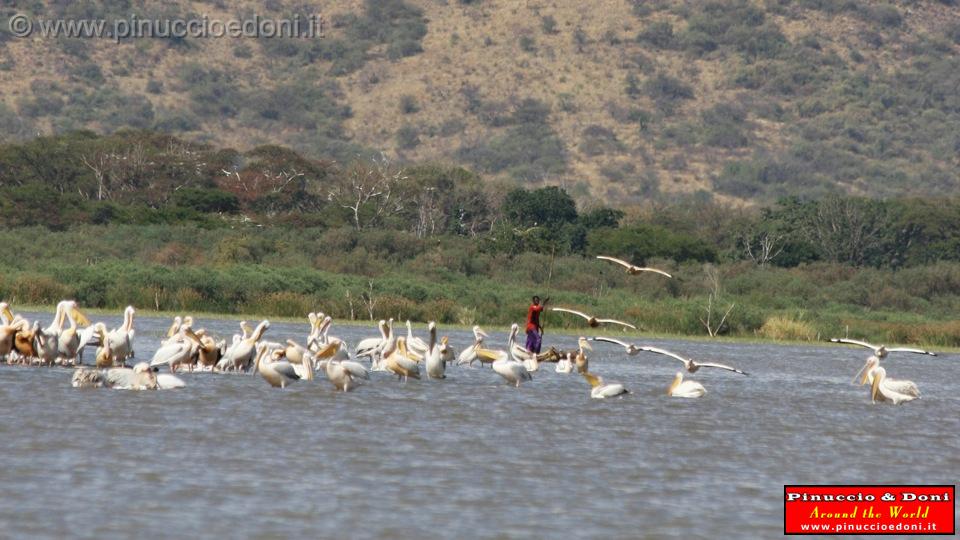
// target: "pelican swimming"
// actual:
[[896, 385], [689, 363], [279, 373], [686, 389], [592, 321], [398, 362], [433, 361], [566, 363], [601, 390], [140, 377], [630, 348], [880, 391], [86, 378], [881, 351], [631, 269]]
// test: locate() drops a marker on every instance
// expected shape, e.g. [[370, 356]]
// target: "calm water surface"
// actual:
[[466, 457]]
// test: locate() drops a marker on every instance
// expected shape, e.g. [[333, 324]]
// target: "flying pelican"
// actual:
[[688, 363], [882, 351], [279, 373], [397, 361], [630, 348], [883, 392], [899, 386], [592, 321], [631, 269], [601, 390], [687, 389], [434, 362]]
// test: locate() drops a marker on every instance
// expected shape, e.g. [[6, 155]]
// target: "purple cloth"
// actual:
[[533, 341]]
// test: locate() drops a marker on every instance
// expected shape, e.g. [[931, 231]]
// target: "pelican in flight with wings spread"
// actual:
[[689, 363], [630, 348], [593, 321], [882, 351], [632, 269]]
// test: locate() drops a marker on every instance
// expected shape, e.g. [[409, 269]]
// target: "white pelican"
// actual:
[[342, 374], [209, 351], [377, 360], [104, 356], [172, 353], [68, 341], [8, 333], [468, 355], [140, 377], [565, 364], [882, 351], [169, 381], [601, 390], [6, 316], [899, 386], [631, 269], [592, 321], [447, 352], [687, 389], [511, 370], [888, 393], [688, 363], [434, 362], [370, 346], [580, 360], [240, 355], [279, 373], [415, 345], [630, 348], [121, 339], [398, 362], [519, 353]]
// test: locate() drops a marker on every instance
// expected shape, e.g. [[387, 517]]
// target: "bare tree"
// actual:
[[762, 248], [369, 191], [98, 164], [846, 229], [369, 300], [712, 308]]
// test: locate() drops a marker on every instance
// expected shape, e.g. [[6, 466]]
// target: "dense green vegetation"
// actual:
[[147, 219]]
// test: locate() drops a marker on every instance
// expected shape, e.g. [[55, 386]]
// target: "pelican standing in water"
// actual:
[[469, 355], [68, 342], [416, 347], [240, 355], [685, 389], [343, 374], [601, 390], [882, 392], [397, 361], [276, 371], [631, 269], [121, 339], [688, 363], [592, 321], [511, 370], [580, 360], [519, 353], [434, 362], [371, 346], [881, 351]]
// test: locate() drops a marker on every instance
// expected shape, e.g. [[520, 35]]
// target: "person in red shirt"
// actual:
[[534, 328]]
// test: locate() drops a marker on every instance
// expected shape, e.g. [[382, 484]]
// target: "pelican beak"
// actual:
[[586, 345], [863, 371], [482, 333], [874, 389], [81, 319], [7, 313]]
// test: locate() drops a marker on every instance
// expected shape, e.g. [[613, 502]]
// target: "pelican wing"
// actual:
[[614, 321], [167, 381], [623, 344], [120, 378], [491, 355], [853, 342], [87, 337], [621, 262], [721, 366], [355, 368], [565, 310], [168, 352], [286, 369], [654, 270], [665, 353], [914, 351]]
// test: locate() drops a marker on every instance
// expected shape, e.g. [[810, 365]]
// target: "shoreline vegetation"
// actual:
[[145, 219]]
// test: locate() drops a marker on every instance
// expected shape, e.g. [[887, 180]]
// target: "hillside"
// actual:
[[617, 100]]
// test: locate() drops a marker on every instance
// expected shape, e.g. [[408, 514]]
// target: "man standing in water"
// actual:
[[534, 328]]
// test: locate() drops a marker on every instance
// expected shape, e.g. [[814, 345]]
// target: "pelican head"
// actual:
[[478, 332], [141, 367], [881, 352], [677, 379], [188, 321], [584, 344], [872, 362], [592, 379], [78, 315]]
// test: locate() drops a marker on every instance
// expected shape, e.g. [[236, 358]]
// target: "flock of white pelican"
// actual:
[[187, 349]]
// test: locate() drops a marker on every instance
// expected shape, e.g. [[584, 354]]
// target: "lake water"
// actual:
[[466, 457]]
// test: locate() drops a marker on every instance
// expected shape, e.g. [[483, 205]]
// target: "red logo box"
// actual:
[[869, 509]]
